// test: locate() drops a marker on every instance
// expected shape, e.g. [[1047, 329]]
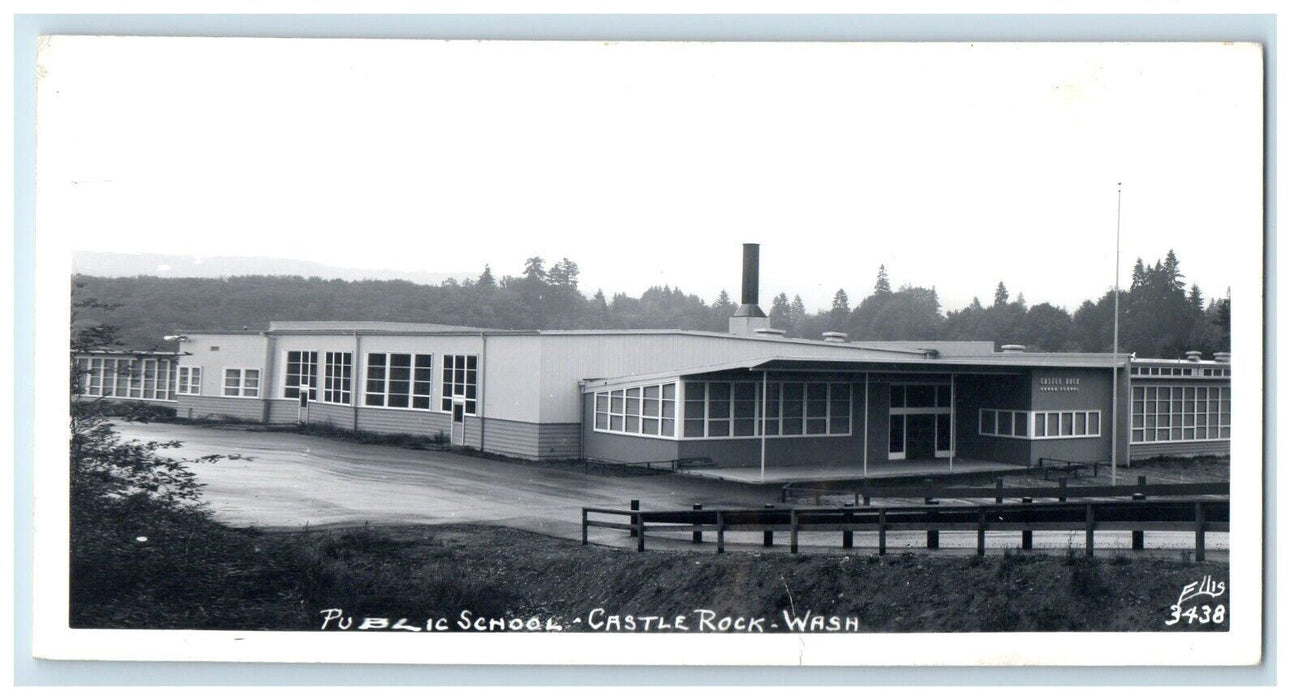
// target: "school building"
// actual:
[[750, 399]]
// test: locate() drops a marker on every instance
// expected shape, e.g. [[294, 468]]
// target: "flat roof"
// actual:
[[397, 328], [1009, 360]]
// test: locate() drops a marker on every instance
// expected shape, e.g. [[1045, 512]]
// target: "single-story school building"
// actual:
[[749, 398]]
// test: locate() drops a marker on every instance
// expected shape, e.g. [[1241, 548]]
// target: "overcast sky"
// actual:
[[650, 163]]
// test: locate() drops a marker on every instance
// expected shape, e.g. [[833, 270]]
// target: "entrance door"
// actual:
[[920, 436], [457, 423]]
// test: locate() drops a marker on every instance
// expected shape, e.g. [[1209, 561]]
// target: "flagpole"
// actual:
[[1117, 273]]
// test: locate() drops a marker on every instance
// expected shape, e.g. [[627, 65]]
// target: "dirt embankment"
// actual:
[[459, 576]]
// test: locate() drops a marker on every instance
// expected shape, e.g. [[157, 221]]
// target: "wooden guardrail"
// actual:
[[1061, 491], [1137, 516]]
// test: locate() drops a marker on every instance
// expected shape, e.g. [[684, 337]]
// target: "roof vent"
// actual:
[[769, 331], [834, 337], [1012, 348], [1193, 355], [1221, 356]]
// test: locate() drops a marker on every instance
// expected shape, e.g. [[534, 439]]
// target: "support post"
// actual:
[[1138, 536], [721, 531], [768, 536], [1027, 534], [585, 524], [982, 531], [793, 531], [933, 535], [883, 532], [950, 436], [865, 434], [635, 518], [1200, 527], [1000, 487], [847, 532], [1090, 529], [1063, 490], [698, 528], [763, 433]]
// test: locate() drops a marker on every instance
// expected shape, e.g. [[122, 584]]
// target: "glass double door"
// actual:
[[919, 436], [919, 421]]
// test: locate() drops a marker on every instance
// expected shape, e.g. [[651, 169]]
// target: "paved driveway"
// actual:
[[296, 480]]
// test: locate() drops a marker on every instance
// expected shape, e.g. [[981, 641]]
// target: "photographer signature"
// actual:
[[1196, 612]]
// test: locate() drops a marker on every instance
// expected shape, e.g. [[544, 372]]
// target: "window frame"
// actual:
[[1051, 425], [610, 397], [459, 386], [293, 391], [362, 401], [187, 377], [763, 420], [1215, 424], [328, 391], [241, 387]]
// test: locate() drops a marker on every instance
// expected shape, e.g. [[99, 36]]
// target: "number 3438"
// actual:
[[1197, 614]]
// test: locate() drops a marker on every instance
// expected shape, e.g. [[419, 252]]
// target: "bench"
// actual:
[[1061, 465], [694, 463]]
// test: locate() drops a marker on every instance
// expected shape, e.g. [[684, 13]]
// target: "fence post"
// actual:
[[982, 531], [865, 499], [635, 519], [883, 532], [1063, 490], [768, 536], [933, 535], [1090, 529], [721, 531], [1027, 534], [1138, 536], [698, 528], [1200, 546], [585, 520], [639, 536], [1045, 472], [847, 532], [1000, 486], [793, 531]]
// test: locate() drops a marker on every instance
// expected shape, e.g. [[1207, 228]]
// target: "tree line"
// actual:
[[1159, 315]]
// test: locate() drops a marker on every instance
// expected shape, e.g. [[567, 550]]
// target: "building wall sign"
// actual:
[[1059, 384]]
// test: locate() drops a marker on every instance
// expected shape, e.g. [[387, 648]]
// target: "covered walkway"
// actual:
[[896, 469]]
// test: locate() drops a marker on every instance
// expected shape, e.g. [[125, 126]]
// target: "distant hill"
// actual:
[[101, 264]]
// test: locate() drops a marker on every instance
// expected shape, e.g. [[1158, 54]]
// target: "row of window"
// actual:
[[919, 396], [728, 409], [1180, 371], [1180, 413], [1038, 425], [392, 379], [642, 410], [126, 378]]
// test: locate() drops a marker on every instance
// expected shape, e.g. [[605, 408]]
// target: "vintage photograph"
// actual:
[[843, 350]]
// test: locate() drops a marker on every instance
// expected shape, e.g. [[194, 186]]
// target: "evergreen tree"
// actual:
[[797, 317], [881, 284], [486, 279], [534, 269], [1002, 295], [780, 311]]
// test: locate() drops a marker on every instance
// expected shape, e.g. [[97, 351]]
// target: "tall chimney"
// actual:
[[752, 254], [749, 318]]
